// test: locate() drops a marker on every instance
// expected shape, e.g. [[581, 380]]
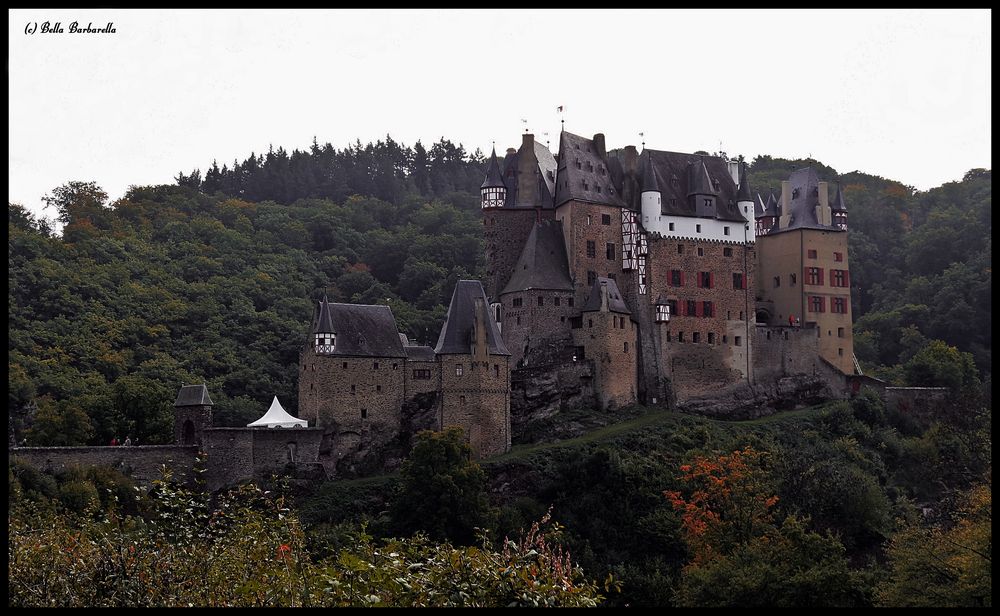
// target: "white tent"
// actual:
[[277, 417]]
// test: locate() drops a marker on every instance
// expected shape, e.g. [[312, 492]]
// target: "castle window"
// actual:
[[312, 386], [609, 250], [569, 302], [421, 375], [378, 388], [724, 338], [791, 280], [738, 341], [562, 319], [705, 280], [676, 278], [597, 187], [777, 281], [590, 322], [353, 389], [737, 280], [579, 165], [616, 321], [680, 336], [725, 230], [701, 251], [461, 399], [364, 413], [517, 302], [588, 220], [708, 309], [840, 332], [611, 275], [345, 366], [458, 369], [814, 275], [541, 301], [623, 323], [838, 256], [698, 228], [840, 352], [838, 278], [727, 252], [605, 219], [585, 185], [708, 204], [496, 369], [375, 365], [668, 336], [626, 347], [671, 225], [672, 306], [395, 366], [518, 320], [591, 249], [816, 303], [811, 253], [556, 300], [680, 249], [838, 305], [579, 353], [696, 337], [591, 278], [692, 308]]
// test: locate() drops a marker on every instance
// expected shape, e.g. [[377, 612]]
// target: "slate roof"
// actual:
[[583, 171], [324, 323], [803, 202], [615, 301], [671, 173], [546, 164], [758, 206], [419, 353], [543, 263], [193, 395], [362, 330], [699, 182], [743, 192], [837, 205], [456, 334], [493, 175], [649, 182], [770, 207]]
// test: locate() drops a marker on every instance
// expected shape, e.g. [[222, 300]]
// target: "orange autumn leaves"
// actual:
[[730, 501]]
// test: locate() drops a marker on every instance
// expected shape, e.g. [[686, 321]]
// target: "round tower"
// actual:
[[650, 198], [493, 190], [744, 201]]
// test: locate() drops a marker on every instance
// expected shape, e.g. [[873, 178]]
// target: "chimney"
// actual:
[[599, 145], [511, 151], [527, 141], [604, 296], [631, 162], [786, 204], [823, 214]]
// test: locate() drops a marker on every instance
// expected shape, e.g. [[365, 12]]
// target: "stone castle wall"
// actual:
[[505, 231], [143, 463], [533, 325], [477, 400]]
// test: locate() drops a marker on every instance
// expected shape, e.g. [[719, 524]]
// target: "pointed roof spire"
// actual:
[[771, 207], [838, 201], [649, 183], [325, 322], [494, 179], [743, 192], [460, 322], [699, 182]]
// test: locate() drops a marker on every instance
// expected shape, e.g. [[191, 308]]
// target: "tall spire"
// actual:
[[838, 201], [324, 324], [494, 178], [649, 183], [743, 193]]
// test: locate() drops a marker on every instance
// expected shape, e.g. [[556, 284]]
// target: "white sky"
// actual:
[[901, 94]]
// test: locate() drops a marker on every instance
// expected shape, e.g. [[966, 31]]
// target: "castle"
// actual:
[[613, 277]]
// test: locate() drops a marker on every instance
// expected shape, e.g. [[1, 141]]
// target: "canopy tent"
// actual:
[[277, 417]]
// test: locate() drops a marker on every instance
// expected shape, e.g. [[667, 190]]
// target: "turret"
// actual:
[[650, 196], [662, 310], [768, 216], [744, 200], [325, 338], [701, 193], [192, 414], [493, 190], [839, 210]]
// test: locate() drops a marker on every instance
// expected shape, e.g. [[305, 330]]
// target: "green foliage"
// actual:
[[944, 567], [442, 491]]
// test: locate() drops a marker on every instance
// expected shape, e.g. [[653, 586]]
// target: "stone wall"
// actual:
[[532, 324], [357, 400], [477, 400], [415, 386], [582, 222], [240, 454], [142, 462], [505, 230], [922, 402], [230, 456], [609, 341]]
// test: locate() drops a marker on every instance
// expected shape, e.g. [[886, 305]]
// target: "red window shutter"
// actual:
[[711, 280], [847, 278], [682, 279], [822, 304], [699, 280], [820, 269], [697, 309]]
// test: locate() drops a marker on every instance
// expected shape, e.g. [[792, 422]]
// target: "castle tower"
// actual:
[[528, 179], [839, 210], [607, 336], [475, 372], [351, 379], [192, 414], [803, 267], [744, 201], [650, 198], [767, 218]]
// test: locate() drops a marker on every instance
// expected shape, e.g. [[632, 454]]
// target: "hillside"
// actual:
[[213, 279]]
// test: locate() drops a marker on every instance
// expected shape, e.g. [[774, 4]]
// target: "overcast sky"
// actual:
[[901, 94]]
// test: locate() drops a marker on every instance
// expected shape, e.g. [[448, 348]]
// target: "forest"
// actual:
[[113, 304]]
